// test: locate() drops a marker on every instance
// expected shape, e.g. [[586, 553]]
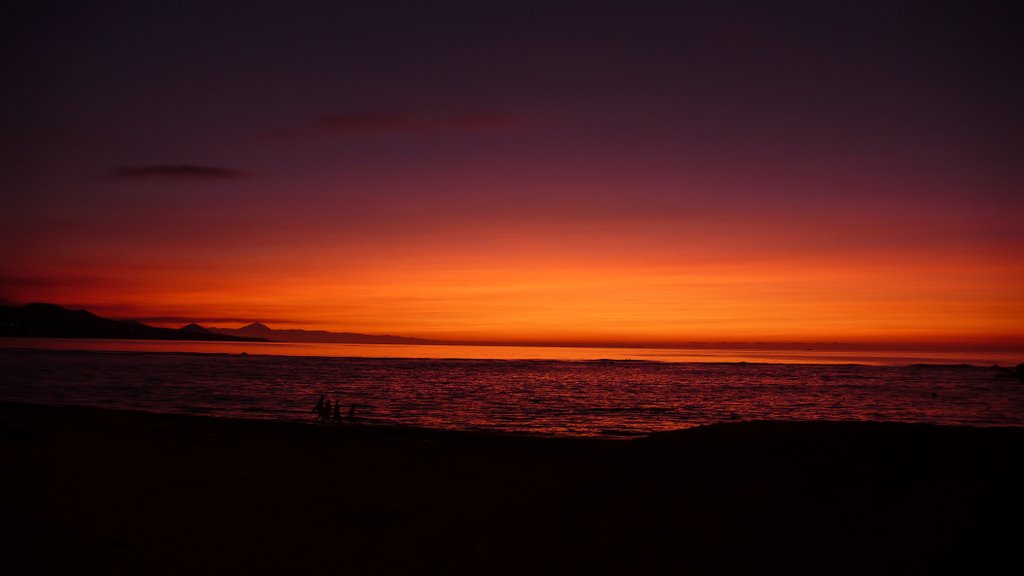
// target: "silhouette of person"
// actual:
[[351, 411], [337, 409], [320, 407], [326, 416]]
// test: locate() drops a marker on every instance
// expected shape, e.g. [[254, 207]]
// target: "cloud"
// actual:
[[44, 282], [175, 171], [386, 123]]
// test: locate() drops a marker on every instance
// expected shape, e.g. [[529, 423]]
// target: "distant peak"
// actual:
[[257, 326], [193, 327], [42, 306]]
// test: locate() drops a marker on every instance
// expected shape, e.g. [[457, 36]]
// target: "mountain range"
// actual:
[[258, 330], [53, 321]]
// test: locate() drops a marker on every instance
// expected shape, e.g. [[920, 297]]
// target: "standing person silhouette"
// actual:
[[319, 409], [337, 410], [326, 416]]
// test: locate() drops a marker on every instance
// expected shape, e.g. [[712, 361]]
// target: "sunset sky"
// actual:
[[518, 171]]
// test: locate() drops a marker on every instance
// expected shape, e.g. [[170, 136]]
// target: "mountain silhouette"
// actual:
[[53, 321], [259, 330], [195, 328]]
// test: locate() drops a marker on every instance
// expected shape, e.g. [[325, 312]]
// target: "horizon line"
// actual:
[[945, 343]]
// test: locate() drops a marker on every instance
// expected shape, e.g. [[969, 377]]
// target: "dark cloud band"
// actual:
[[176, 171]]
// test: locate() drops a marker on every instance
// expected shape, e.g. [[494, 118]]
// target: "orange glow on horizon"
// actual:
[[587, 289]]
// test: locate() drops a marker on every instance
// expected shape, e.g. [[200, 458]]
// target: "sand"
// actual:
[[112, 492]]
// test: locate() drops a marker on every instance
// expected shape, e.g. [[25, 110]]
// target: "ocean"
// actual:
[[585, 392]]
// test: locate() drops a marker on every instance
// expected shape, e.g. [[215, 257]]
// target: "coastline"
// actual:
[[94, 490]]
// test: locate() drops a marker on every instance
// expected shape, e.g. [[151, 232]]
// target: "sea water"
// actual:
[[601, 392]]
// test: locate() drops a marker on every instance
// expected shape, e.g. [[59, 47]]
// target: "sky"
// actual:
[[599, 172]]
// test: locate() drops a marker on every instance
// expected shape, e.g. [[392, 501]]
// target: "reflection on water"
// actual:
[[553, 397], [773, 355]]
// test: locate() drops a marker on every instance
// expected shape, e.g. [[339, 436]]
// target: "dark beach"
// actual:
[[110, 492]]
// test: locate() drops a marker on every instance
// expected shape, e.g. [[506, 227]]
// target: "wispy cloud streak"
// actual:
[[175, 172]]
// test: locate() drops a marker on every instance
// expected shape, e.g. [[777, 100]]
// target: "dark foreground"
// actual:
[[93, 491]]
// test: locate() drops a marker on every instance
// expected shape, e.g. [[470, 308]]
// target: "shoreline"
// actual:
[[377, 426], [115, 492]]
